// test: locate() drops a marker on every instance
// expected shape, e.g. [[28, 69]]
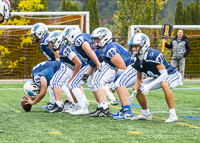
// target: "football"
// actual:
[[26, 107]]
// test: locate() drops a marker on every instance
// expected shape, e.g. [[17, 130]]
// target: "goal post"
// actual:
[[192, 63], [21, 54], [81, 13]]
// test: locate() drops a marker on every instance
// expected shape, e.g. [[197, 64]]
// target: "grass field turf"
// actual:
[[38, 126]]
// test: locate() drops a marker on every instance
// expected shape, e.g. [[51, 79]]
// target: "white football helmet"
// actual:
[[102, 33], [5, 10], [70, 33], [139, 39], [31, 89], [56, 38], [39, 30]]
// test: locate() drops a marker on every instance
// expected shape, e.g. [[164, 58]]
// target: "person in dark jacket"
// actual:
[[181, 48]]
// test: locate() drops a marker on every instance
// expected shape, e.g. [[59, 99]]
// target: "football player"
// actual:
[[40, 34], [116, 59], [41, 74], [5, 10], [160, 73], [71, 64]]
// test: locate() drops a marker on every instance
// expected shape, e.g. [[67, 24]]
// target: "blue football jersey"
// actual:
[[66, 55], [80, 39], [46, 50], [46, 69], [111, 49], [152, 58]]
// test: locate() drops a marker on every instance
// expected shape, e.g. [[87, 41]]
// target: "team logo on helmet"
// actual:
[[36, 27], [144, 38], [68, 31], [102, 31], [56, 34]]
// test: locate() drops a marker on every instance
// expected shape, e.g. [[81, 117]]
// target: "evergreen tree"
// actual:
[[83, 8], [188, 16], [92, 20], [193, 13], [68, 6], [74, 7], [96, 14], [179, 14], [63, 7], [197, 12]]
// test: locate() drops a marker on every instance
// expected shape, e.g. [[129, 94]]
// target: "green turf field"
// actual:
[[38, 126]]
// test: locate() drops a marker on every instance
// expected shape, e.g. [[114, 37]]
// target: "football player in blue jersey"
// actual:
[[5, 10], [160, 73], [71, 64], [82, 44], [116, 59], [41, 74], [40, 34]]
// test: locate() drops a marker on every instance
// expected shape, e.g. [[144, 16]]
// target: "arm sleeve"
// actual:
[[163, 76], [187, 46], [169, 46]]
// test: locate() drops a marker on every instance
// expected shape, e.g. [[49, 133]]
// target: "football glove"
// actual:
[[112, 86], [145, 89], [133, 95], [85, 77]]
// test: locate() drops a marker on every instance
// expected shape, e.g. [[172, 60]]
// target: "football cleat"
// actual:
[[104, 112], [126, 115], [80, 111], [48, 106], [55, 109], [142, 117], [67, 104], [69, 109], [172, 118], [95, 113], [112, 102], [118, 113]]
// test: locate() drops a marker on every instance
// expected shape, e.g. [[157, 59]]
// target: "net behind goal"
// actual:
[[17, 52], [192, 65]]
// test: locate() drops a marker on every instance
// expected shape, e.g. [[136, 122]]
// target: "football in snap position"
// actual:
[[26, 107]]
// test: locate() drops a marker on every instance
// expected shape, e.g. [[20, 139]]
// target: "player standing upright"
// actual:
[[116, 57], [161, 75]]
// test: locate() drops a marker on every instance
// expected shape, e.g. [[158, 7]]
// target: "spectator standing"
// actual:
[[181, 48]]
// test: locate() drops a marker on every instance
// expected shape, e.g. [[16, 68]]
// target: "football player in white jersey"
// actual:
[[160, 73]]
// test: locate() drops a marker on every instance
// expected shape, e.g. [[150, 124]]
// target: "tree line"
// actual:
[[189, 15]]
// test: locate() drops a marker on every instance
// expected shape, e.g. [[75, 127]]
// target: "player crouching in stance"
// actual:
[[116, 59], [41, 74], [40, 34], [5, 10], [70, 66], [159, 72]]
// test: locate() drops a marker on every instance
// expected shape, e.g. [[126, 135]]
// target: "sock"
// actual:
[[67, 93], [79, 96], [146, 112], [109, 94], [84, 98], [172, 111], [126, 107], [104, 105], [52, 97], [59, 103], [98, 104]]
